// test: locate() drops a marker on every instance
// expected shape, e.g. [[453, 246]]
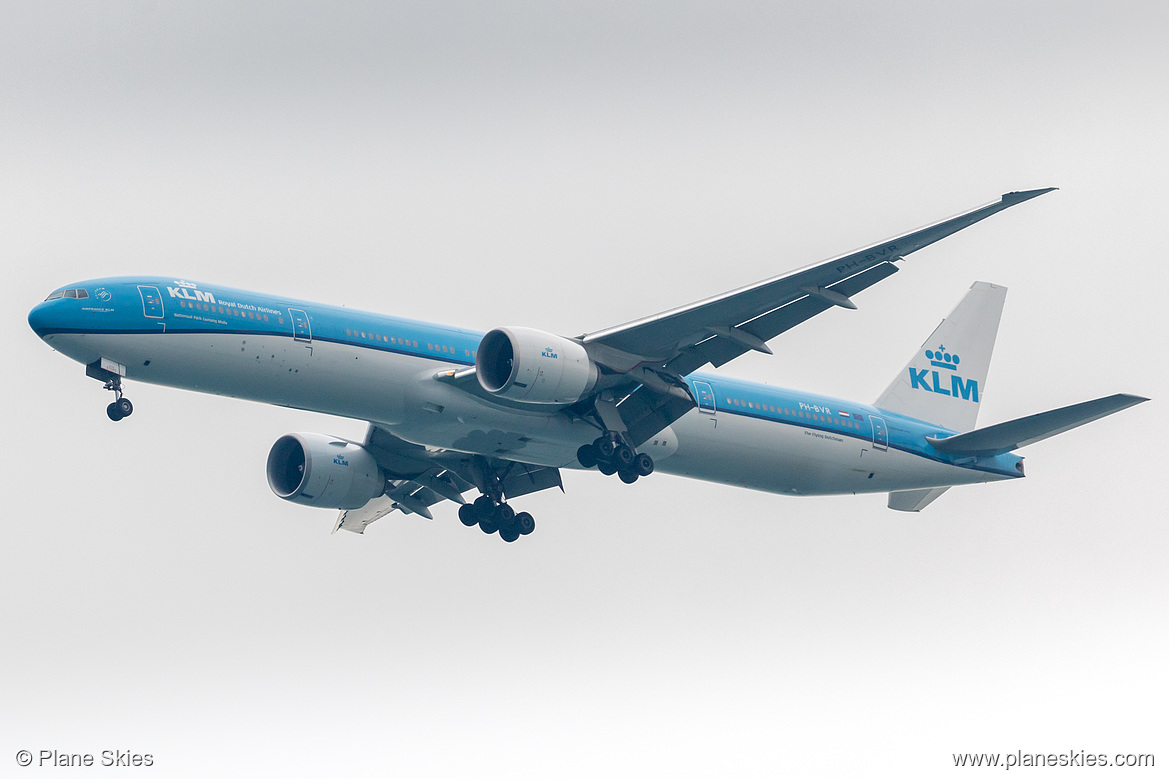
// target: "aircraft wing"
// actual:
[[644, 362], [718, 329], [419, 477]]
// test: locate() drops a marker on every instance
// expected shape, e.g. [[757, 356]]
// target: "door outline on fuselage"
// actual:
[[705, 397], [301, 329], [880, 434], [151, 301]]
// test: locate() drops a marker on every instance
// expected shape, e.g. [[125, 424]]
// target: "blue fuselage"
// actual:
[[382, 369]]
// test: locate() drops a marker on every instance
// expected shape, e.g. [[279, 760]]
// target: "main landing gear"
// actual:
[[611, 456], [489, 511], [492, 516]]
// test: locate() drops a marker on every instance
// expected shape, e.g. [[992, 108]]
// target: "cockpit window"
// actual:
[[68, 293]]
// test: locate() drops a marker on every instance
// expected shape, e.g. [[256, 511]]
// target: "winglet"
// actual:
[[1019, 197]]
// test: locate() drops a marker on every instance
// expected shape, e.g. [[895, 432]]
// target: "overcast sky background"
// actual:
[[570, 166]]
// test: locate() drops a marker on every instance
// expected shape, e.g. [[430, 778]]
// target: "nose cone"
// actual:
[[44, 318]]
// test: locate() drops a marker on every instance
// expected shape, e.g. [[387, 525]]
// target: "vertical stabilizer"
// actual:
[[946, 379]]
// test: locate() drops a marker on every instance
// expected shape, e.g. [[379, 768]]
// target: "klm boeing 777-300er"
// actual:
[[452, 411]]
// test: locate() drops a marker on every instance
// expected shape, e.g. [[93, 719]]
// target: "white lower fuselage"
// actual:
[[398, 392]]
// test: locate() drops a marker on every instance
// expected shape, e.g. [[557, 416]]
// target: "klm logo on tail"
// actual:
[[948, 382]]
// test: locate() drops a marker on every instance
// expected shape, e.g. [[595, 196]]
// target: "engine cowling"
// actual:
[[322, 471], [532, 366]]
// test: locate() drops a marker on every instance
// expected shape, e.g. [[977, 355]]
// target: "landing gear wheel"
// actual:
[[607, 467], [623, 456], [467, 515], [114, 413], [524, 523], [587, 455], [125, 407], [484, 506], [509, 534], [605, 447], [488, 525], [643, 464], [504, 514], [628, 476]]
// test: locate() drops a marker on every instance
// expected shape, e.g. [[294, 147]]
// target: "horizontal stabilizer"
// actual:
[[1008, 436]]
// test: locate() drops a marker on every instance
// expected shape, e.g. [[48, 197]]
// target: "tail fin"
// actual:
[[945, 380]]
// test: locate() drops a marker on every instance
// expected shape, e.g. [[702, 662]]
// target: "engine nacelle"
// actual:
[[322, 471], [532, 366]]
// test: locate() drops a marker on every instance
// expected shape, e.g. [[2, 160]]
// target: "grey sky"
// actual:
[[571, 166]]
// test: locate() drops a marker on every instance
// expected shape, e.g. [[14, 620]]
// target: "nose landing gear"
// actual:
[[119, 409], [111, 373]]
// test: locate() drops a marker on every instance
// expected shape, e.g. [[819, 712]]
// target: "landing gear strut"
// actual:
[[101, 370], [611, 455]]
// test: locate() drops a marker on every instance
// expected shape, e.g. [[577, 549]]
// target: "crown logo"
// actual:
[[940, 358]]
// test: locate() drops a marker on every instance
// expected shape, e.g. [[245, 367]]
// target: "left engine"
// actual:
[[532, 366], [322, 471]]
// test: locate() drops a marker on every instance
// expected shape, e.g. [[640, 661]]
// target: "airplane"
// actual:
[[451, 410]]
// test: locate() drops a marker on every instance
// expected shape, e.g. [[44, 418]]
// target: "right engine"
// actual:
[[322, 471]]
